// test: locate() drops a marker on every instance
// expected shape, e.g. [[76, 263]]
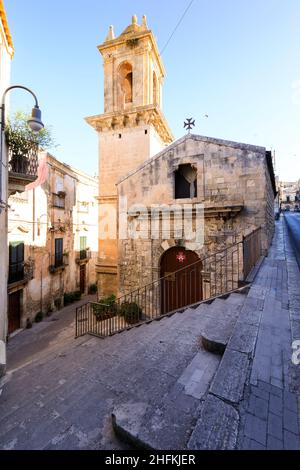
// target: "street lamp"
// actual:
[[34, 122]]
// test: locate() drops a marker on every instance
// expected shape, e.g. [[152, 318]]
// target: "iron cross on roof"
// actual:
[[189, 124]]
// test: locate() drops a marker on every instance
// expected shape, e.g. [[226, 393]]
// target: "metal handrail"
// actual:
[[216, 274]]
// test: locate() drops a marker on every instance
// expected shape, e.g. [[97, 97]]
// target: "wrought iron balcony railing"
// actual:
[[58, 262], [20, 272], [24, 165], [83, 255]]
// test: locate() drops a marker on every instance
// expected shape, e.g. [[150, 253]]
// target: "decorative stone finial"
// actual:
[[134, 19], [144, 22], [111, 34]]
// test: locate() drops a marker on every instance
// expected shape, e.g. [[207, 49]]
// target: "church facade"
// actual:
[[222, 190]]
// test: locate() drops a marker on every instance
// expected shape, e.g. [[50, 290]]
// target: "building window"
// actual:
[[83, 250], [59, 245], [185, 182], [16, 262], [59, 200]]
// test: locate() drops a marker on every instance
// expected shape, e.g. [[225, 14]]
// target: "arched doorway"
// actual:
[[181, 282]]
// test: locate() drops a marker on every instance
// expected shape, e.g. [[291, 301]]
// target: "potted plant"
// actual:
[[105, 308], [131, 312], [22, 142]]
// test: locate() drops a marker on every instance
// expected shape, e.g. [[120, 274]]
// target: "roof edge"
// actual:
[[210, 140]]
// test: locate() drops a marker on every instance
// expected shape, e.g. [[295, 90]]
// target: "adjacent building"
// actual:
[[52, 234], [289, 195], [6, 54]]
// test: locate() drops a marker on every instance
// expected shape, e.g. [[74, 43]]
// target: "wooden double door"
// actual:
[[181, 283]]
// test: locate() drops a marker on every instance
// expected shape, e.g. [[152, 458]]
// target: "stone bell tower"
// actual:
[[131, 130]]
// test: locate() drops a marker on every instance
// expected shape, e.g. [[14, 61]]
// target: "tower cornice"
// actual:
[[147, 115]]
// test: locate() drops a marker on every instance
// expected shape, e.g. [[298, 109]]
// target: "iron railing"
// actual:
[[24, 165], [215, 275], [252, 251], [83, 255], [20, 272], [58, 262]]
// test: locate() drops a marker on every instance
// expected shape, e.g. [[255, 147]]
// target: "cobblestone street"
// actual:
[[270, 411]]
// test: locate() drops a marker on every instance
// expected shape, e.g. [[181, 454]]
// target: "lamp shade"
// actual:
[[35, 122]]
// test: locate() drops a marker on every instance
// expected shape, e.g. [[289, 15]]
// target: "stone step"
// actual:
[[167, 424], [236, 299], [219, 327]]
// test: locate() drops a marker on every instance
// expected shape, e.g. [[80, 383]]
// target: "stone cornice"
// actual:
[[147, 115], [10, 46]]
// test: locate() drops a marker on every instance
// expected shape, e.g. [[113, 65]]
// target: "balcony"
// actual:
[[58, 263], [20, 274], [22, 169], [83, 256]]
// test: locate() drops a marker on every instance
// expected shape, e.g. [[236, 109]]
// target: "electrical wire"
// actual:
[[177, 26]]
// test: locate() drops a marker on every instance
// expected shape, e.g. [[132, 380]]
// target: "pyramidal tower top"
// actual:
[[133, 79]]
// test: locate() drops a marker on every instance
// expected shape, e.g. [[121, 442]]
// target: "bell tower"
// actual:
[[131, 130]]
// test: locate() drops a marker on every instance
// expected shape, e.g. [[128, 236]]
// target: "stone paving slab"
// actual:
[[217, 427], [230, 378]]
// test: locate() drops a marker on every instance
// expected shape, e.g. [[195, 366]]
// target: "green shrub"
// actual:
[[93, 289], [68, 298], [77, 295], [105, 308], [57, 303], [131, 312], [39, 317]]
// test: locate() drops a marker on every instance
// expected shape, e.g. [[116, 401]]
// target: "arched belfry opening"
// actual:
[[125, 84]]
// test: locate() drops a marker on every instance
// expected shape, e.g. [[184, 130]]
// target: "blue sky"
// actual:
[[236, 60]]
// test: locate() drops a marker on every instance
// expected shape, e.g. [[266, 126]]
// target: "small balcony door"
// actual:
[[59, 246], [83, 248], [16, 262]]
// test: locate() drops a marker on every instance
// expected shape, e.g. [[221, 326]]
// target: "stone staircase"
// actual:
[[153, 380]]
